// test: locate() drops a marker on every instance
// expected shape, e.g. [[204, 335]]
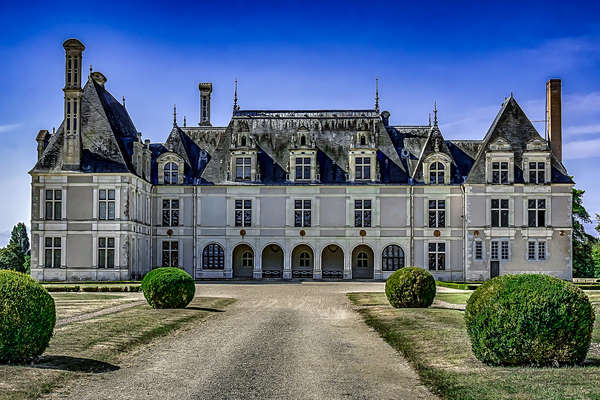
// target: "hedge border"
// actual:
[[88, 289]]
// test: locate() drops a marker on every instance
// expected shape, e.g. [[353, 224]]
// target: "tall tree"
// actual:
[[19, 237], [583, 243]]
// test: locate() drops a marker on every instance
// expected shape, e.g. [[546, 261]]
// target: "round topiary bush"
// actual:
[[168, 288], [27, 317], [410, 287], [529, 319]]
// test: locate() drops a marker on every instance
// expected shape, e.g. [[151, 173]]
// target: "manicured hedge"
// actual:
[[168, 288], [27, 317], [529, 319], [109, 288], [410, 287]]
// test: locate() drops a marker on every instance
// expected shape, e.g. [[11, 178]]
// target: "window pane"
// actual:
[[111, 194], [247, 218], [175, 218], [367, 204], [102, 242], [367, 219], [238, 217], [531, 218], [57, 195], [49, 194], [441, 219], [111, 210], [165, 203], [504, 203], [56, 258], [247, 204], [49, 208], [504, 218], [238, 204], [57, 210], [166, 218], [367, 173], [298, 204], [111, 243], [357, 204], [297, 218], [357, 218], [307, 218], [495, 203], [307, 204], [102, 210], [431, 247], [441, 262], [48, 242], [495, 218], [101, 258], [48, 258], [541, 203], [541, 218]]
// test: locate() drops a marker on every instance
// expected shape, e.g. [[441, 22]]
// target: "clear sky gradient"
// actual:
[[467, 56]]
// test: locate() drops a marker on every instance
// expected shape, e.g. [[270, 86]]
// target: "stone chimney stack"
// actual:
[[72, 125], [42, 139], [554, 116], [205, 91]]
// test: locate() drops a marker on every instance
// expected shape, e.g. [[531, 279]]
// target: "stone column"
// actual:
[[257, 273], [317, 271], [348, 265], [287, 264]]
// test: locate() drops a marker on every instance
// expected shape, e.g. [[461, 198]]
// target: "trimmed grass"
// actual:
[[436, 343], [73, 304], [454, 298], [97, 345]]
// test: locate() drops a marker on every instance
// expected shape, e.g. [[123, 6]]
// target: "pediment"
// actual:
[[500, 144]]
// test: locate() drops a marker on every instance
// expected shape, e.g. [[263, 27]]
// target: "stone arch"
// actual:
[[303, 261], [363, 262], [332, 261], [272, 260], [243, 261]]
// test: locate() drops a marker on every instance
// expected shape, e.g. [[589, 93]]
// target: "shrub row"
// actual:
[[56, 288]]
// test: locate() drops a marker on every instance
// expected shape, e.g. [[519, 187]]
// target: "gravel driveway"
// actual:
[[278, 341]]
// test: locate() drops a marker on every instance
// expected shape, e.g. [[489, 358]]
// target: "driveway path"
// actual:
[[278, 341]]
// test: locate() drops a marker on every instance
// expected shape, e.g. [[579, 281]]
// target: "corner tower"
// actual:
[[72, 108], [205, 91]]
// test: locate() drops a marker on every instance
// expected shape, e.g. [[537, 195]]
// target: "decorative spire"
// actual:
[[91, 70], [429, 119], [174, 114], [236, 107], [435, 110], [184, 122], [377, 94], [53, 130], [123, 101]]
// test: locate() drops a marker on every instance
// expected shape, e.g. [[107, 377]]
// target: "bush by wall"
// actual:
[[410, 287], [529, 319], [27, 317], [168, 288]]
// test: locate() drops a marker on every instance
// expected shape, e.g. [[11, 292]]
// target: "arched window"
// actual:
[[393, 258], [304, 259], [171, 173], [363, 140], [436, 173], [213, 257], [247, 259], [363, 260], [243, 140], [302, 140]]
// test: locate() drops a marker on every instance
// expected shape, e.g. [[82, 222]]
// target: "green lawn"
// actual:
[[454, 298], [97, 345], [436, 343]]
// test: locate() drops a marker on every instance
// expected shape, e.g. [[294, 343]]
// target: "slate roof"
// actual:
[[108, 135]]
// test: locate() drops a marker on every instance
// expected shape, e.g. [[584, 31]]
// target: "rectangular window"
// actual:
[[106, 252], [170, 212], [52, 253], [243, 212], [303, 169], [302, 213], [106, 204], [478, 250], [537, 173], [170, 253], [243, 168], [363, 168], [536, 250], [536, 213], [54, 204], [500, 172], [437, 256], [437, 213], [499, 212], [362, 213], [500, 250]]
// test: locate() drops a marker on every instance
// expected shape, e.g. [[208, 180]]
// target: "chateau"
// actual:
[[283, 194]]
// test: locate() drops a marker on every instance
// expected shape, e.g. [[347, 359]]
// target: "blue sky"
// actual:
[[465, 56]]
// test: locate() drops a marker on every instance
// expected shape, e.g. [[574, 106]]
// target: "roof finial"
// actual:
[[184, 122], [53, 130], [174, 114], [435, 120], [123, 101], [377, 94], [429, 119], [236, 107], [91, 70]]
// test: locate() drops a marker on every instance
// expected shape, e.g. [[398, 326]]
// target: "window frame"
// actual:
[[498, 180], [362, 164], [55, 251], [386, 258], [244, 211], [439, 254], [538, 244], [171, 173], [537, 172], [171, 249], [173, 214], [500, 250], [362, 258], [539, 213], [478, 248], [246, 168], [363, 213], [438, 213], [437, 170], [303, 212], [304, 259], [213, 257], [104, 204], [54, 203], [303, 167], [501, 211], [104, 251]]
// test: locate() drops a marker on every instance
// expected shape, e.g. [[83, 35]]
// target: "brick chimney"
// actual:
[[554, 115]]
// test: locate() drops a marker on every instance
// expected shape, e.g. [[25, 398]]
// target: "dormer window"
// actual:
[[243, 141], [243, 168], [303, 140], [170, 169], [302, 165], [537, 172], [362, 168], [500, 172], [171, 173], [303, 168], [436, 173]]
